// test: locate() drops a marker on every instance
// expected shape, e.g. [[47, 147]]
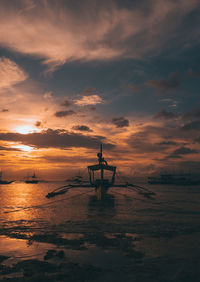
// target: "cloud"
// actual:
[[165, 115], [92, 108], [58, 31], [38, 123], [67, 103], [167, 143], [10, 73], [145, 145], [59, 138], [176, 154], [165, 84], [194, 114], [82, 128], [65, 113], [88, 91], [193, 125], [197, 140], [193, 74], [48, 95], [133, 88], [89, 100], [2, 148], [184, 151], [120, 122]]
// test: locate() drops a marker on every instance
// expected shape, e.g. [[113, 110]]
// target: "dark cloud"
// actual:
[[194, 114], [38, 123], [64, 113], [192, 73], [56, 139], [184, 151], [120, 122], [88, 91], [82, 128], [197, 140], [165, 115], [67, 103], [133, 87], [165, 84], [193, 125], [4, 110], [2, 148], [67, 159], [178, 153], [167, 143], [92, 108], [144, 145]]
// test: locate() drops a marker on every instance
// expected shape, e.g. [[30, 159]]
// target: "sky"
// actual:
[[75, 74]]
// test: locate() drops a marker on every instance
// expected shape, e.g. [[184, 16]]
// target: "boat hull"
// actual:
[[5, 182]]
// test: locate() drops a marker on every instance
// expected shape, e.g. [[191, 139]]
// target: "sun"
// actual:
[[25, 129]]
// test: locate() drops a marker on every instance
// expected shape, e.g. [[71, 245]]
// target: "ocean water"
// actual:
[[127, 236]]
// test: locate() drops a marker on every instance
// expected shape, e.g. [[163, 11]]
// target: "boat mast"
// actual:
[[101, 149]]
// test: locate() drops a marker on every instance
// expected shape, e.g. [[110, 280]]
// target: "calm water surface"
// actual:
[[102, 234]]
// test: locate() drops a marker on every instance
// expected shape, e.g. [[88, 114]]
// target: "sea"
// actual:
[[126, 237]]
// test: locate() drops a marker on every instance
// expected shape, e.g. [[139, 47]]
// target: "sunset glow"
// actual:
[[24, 129], [23, 148], [69, 82]]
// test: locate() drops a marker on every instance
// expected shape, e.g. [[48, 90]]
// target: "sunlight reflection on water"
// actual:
[[76, 218]]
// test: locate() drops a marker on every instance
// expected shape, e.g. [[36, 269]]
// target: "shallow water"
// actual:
[[125, 231]]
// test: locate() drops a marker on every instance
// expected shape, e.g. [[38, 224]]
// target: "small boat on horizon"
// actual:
[[173, 179], [4, 181], [32, 179]]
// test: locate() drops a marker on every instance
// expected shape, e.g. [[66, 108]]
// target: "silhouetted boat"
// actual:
[[98, 182], [4, 181], [173, 179], [31, 179]]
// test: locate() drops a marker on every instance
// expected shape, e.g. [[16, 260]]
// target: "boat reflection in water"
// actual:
[[105, 208]]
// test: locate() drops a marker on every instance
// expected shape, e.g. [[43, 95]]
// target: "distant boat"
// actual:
[[77, 179], [173, 179], [4, 181], [32, 179]]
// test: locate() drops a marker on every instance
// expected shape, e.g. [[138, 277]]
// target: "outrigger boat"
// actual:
[[98, 181]]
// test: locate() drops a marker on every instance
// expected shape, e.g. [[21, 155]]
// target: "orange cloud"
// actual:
[[89, 100], [10, 73]]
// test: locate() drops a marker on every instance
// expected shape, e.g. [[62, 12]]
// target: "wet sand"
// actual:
[[127, 238]]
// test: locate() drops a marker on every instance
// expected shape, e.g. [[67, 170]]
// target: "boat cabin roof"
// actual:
[[102, 166]]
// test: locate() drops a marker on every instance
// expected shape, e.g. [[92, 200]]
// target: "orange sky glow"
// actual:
[[70, 81]]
